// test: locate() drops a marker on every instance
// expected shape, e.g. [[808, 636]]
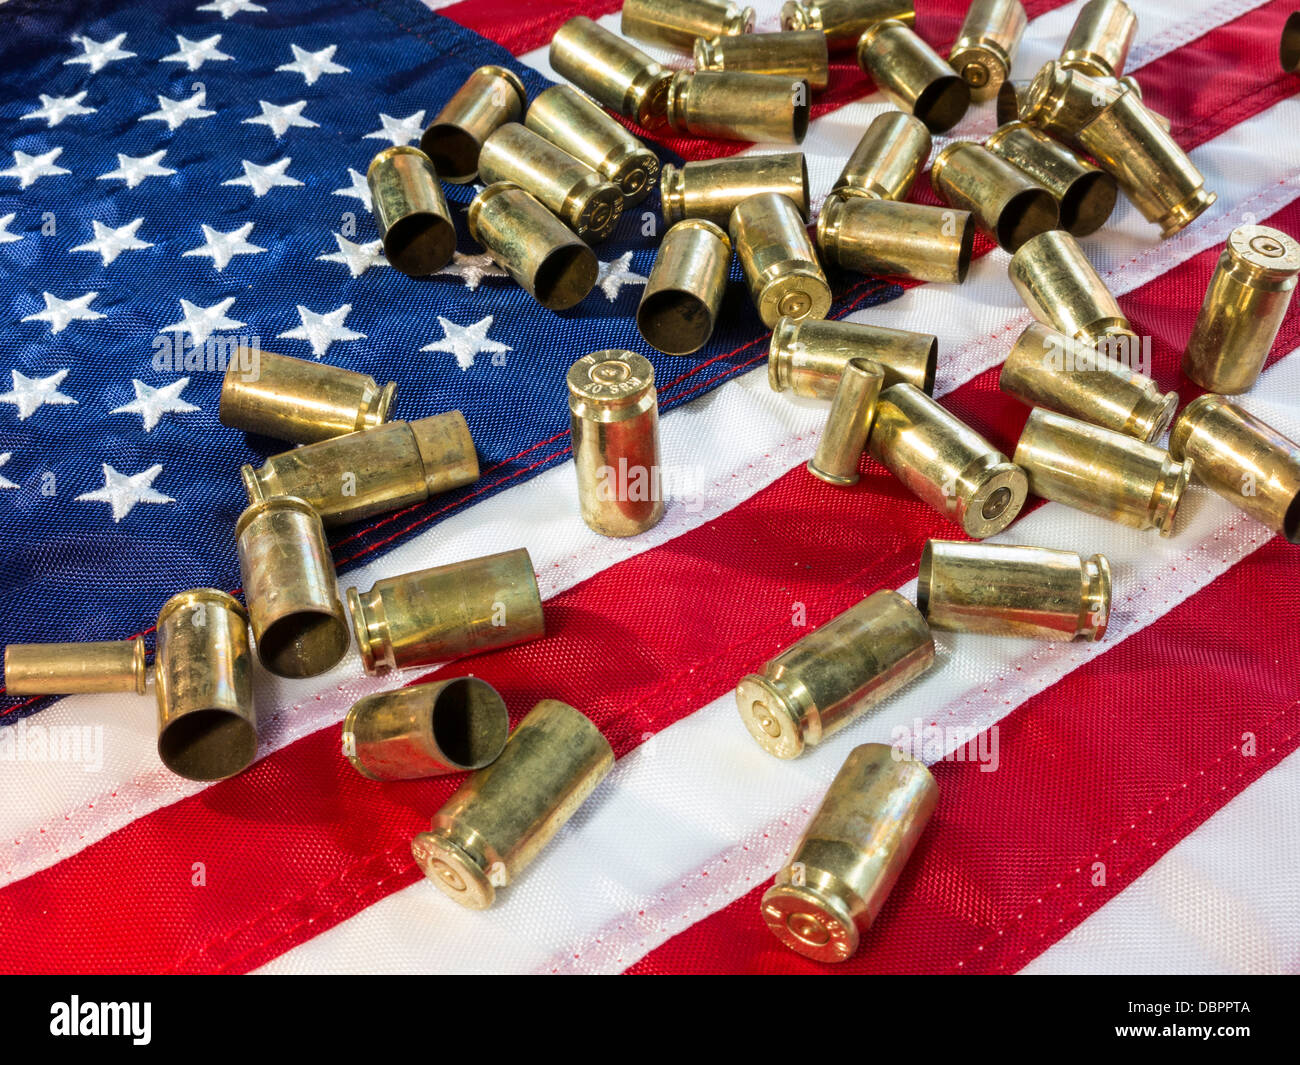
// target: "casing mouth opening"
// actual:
[[420, 244], [303, 644], [470, 723], [208, 744], [943, 103], [565, 277], [674, 322], [453, 152], [1027, 214]]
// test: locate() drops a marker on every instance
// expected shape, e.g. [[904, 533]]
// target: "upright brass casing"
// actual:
[[678, 24], [533, 246], [490, 97], [570, 121], [886, 237], [712, 188], [807, 356], [426, 730], [851, 854], [1007, 205], [839, 450], [986, 45], [1006, 590], [844, 21], [1100, 38], [738, 107], [910, 73], [1101, 471], [1289, 48], [610, 70], [502, 816], [798, 54], [945, 463], [679, 305], [835, 674], [203, 680], [779, 261], [1244, 306], [437, 614], [410, 211], [1245, 460], [1085, 195], [1061, 288], [76, 668], [888, 159]]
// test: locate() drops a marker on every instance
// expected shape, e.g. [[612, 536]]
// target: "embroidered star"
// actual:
[[110, 242], [359, 188], [614, 275], [29, 394], [262, 179], [202, 322], [134, 170], [358, 258], [60, 312], [195, 53], [5, 236], [466, 341], [225, 246], [27, 168], [472, 268], [227, 8], [123, 492], [174, 112], [98, 54], [321, 330], [54, 109], [281, 119], [398, 130], [311, 65], [152, 403], [4, 481]]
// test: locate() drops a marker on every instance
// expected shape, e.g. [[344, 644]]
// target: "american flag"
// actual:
[[185, 170]]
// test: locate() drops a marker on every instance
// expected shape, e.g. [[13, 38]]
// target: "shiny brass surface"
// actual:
[[835, 674], [1289, 49], [1246, 461], [203, 681], [426, 730], [1011, 95], [1100, 38], [1244, 305], [680, 302], [844, 21], [798, 54], [711, 188], [779, 262], [889, 157], [1085, 195], [986, 45], [1061, 100], [490, 97], [614, 422], [75, 668], [1132, 83], [945, 463], [1006, 590], [678, 24], [738, 107], [807, 356], [437, 614], [851, 854], [610, 70], [502, 816], [1061, 288], [889, 238], [410, 211], [1101, 471], [845, 437], [533, 246], [1007, 205], [912, 76]]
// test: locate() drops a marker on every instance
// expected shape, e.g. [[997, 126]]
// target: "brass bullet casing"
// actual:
[[583, 200], [426, 730], [614, 421], [610, 70], [437, 614], [1246, 461], [738, 107], [1006, 590], [1061, 100], [570, 121], [503, 816], [851, 854], [807, 356], [888, 159], [1132, 83], [711, 188], [1244, 305], [799, 54], [893, 239], [410, 211], [779, 262], [1048, 369], [1007, 205], [289, 585], [913, 77], [679, 305], [490, 97], [301, 401], [75, 668], [845, 437], [835, 674], [533, 246], [351, 477], [945, 463], [986, 44], [844, 21], [1011, 95], [1100, 38], [1101, 471], [678, 24], [1085, 195], [1289, 49], [203, 681], [1061, 288]]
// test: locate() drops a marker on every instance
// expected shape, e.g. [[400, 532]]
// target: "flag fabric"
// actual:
[[185, 174]]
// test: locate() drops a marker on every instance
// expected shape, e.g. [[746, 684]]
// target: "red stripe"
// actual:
[[523, 27]]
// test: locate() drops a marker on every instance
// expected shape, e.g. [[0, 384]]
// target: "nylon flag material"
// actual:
[[191, 172]]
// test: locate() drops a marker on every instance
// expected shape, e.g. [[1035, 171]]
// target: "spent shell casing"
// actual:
[[712, 188], [1085, 195], [797, 54], [844, 21], [1136, 88], [912, 75], [678, 24], [1099, 41], [839, 450], [889, 157], [779, 261], [1011, 96], [611, 71], [1062, 289], [741, 107], [889, 238], [1006, 203], [986, 45], [490, 97], [410, 211], [76, 668], [806, 356], [679, 305]]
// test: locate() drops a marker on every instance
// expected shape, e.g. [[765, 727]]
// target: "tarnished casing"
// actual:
[[807, 356], [1006, 204], [844, 21], [1061, 288], [986, 45], [680, 23], [886, 237], [410, 211], [779, 262], [798, 54], [889, 157], [741, 107], [610, 70], [839, 450], [1100, 38], [911, 74], [712, 188], [490, 97], [1085, 195], [75, 668], [679, 305]]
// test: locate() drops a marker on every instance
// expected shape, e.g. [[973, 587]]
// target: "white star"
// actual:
[[122, 492], [311, 65], [398, 130], [174, 112], [110, 242], [195, 53], [60, 312], [225, 246], [152, 403], [262, 179], [321, 330], [466, 341], [98, 54], [27, 168], [359, 188], [358, 258], [614, 275], [202, 322], [29, 394], [5, 236], [4, 481], [226, 8], [472, 268], [282, 118], [54, 109], [134, 170]]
